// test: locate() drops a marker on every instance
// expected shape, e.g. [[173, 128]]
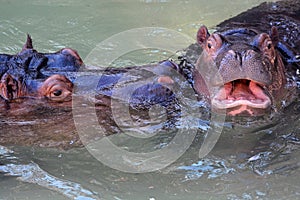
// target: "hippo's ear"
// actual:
[[28, 44], [10, 88], [274, 35], [202, 35]]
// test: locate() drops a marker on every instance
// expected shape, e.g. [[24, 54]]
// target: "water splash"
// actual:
[[32, 173], [212, 167]]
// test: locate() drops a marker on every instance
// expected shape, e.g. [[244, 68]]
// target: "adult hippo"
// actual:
[[36, 95], [30, 75]]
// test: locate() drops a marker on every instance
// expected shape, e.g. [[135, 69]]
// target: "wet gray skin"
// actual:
[[255, 158], [250, 64], [253, 60]]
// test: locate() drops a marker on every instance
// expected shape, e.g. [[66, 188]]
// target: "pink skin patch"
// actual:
[[241, 94], [242, 109], [165, 79]]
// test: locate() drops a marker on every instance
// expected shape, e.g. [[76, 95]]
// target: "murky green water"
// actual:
[[252, 160]]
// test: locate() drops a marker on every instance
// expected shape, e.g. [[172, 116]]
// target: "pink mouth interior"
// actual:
[[241, 94]]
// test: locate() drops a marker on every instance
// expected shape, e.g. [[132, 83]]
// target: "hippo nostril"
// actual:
[[231, 52], [67, 51], [239, 58], [234, 54], [73, 53], [248, 54]]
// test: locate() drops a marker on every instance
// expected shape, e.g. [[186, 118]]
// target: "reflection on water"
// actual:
[[247, 163], [256, 159], [253, 159]]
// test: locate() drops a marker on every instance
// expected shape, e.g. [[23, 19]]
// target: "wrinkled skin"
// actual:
[[30, 74], [37, 88], [249, 72], [249, 58]]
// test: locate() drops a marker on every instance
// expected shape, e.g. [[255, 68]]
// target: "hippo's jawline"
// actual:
[[241, 92]]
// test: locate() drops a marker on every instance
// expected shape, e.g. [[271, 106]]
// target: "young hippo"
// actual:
[[248, 65]]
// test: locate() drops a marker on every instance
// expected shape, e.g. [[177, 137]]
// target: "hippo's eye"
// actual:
[[213, 44], [209, 45], [57, 88], [269, 45], [57, 93]]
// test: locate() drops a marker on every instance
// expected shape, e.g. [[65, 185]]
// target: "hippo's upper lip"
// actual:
[[241, 92]]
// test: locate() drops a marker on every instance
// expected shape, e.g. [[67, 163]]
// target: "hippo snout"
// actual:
[[246, 64]]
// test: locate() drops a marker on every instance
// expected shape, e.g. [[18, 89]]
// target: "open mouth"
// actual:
[[242, 94]]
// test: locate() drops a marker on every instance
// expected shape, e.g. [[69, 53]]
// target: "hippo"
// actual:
[[248, 66], [255, 56], [49, 77], [39, 87], [32, 75]]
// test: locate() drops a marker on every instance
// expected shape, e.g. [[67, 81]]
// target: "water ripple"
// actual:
[[32, 173], [212, 167]]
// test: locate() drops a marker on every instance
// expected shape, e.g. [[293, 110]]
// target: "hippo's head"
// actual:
[[242, 69], [42, 77], [56, 88]]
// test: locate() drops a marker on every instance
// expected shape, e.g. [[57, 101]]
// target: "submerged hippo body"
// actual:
[[51, 76], [242, 69], [36, 95], [253, 57]]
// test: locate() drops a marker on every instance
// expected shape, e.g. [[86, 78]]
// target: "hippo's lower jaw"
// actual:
[[241, 96]]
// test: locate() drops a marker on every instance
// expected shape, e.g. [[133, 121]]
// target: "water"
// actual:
[[253, 159]]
